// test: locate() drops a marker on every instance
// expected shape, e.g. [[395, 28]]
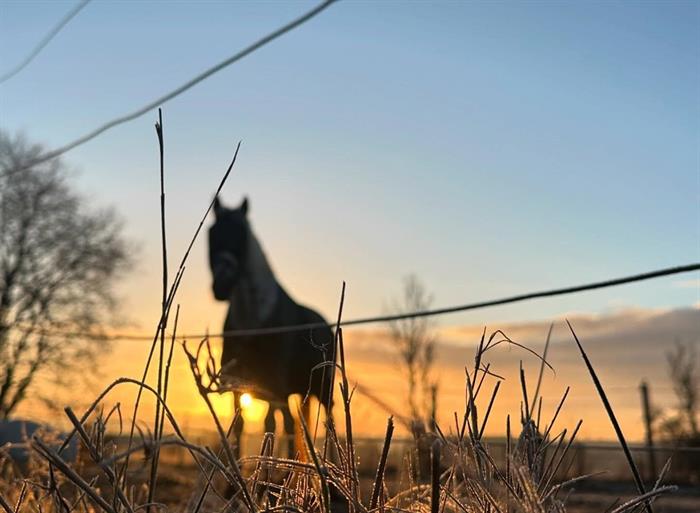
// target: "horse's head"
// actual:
[[228, 240]]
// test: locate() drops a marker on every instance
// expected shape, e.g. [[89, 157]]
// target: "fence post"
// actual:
[[433, 407], [646, 408]]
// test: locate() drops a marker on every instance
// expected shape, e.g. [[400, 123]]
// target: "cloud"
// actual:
[[625, 348], [687, 284]]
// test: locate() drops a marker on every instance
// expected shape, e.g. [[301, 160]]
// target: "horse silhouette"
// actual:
[[270, 366]]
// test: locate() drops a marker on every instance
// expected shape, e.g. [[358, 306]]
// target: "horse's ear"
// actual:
[[217, 206], [244, 205]]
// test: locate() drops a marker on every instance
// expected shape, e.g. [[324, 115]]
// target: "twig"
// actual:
[[5, 505], [646, 498], [379, 479], [611, 414], [61, 465], [171, 296], [240, 481], [322, 471], [95, 455], [541, 373], [157, 425], [435, 477], [334, 355], [488, 410]]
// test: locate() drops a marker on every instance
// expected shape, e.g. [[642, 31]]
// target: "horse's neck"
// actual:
[[256, 295]]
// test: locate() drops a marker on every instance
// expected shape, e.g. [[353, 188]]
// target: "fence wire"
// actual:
[[614, 282]]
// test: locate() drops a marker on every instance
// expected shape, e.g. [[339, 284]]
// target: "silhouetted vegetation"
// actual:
[[415, 344], [680, 426], [684, 372], [59, 260]]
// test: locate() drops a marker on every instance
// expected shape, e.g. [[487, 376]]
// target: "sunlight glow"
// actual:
[[253, 411]]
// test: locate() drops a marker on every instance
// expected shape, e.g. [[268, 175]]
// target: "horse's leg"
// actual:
[[237, 431], [289, 429], [265, 469], [270, 423], [238, 424]]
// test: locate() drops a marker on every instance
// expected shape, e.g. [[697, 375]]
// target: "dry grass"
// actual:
[[462, 473]]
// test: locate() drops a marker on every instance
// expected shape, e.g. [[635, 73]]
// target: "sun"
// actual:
[[246, 400], [253, 410]]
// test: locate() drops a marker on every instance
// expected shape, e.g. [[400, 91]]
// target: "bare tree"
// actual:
[[58, 263], [415, 342], [684, 371]]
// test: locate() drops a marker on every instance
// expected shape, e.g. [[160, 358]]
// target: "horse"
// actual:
[[272, 366]]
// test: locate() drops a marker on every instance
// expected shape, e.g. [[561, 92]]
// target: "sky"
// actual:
[[489, 148]]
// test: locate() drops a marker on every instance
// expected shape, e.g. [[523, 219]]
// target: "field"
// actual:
[[535, 468]]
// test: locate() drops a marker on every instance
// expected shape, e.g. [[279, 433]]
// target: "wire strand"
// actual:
[[45, 41], [669, 271], [184, 87]]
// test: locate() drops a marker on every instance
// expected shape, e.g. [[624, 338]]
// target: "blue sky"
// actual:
[[491, 148]]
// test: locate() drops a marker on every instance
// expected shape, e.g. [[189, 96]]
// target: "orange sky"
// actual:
[[625, 347]]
